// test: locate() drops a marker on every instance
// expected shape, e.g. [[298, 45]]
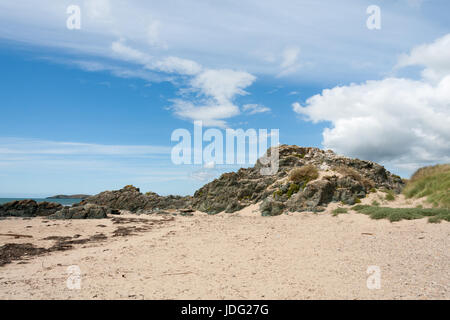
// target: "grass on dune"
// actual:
[[431, 182], [435, 215], [338, 211]]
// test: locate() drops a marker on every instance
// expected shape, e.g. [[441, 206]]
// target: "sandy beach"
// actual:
[[228, 256]]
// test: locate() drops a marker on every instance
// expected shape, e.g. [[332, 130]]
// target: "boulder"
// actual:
[[87, 211], [47, 208], [271, 207]]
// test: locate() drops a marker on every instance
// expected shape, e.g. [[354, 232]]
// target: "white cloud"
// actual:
[[222, 84], [400, 122], [435, 57], [127, 53], [169, 64], [216, 90], [178, 65], [153, 33], [98, 9], [255, 108], [231, 37], [289, 63], [118, 71], [21, 146], [209, 112]]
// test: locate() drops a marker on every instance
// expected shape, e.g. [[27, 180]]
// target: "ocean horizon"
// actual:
[[64, 202]]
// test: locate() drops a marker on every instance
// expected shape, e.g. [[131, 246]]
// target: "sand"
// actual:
[[231, 256]]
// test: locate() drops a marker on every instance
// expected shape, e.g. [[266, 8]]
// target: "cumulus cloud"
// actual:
[[435, 57], [400, 122]]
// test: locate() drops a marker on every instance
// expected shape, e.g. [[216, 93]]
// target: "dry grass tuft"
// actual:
[[304, 174]]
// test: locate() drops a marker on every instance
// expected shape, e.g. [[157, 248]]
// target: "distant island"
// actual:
[[74, 196]]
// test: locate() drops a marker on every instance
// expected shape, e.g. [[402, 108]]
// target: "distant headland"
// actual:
[[74, 196]]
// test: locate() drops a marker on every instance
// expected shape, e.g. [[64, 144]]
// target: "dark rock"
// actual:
[[270, 207], [47, 208], [88, 211], [28, 208], [130, 198], [234, 206], [114, 211]]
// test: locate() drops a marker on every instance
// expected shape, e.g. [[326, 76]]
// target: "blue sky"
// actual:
[[93, 109]]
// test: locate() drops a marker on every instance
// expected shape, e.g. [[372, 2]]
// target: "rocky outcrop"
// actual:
[[28, 208], [342, 179], [338, 179], [233, 191], [87, 211], [130, 198]]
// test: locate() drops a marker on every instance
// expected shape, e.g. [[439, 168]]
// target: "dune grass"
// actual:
[[338, 211], [431, 182], [435, 215]]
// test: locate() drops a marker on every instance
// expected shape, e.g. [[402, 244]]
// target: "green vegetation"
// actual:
[[435, 215], [431, 182], [277, 193], [390, 195], [305, 173], [293, 188], [375, 203], [338, 211], [298, 155]]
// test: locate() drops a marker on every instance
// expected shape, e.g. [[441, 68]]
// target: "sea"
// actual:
[[64, 202]]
